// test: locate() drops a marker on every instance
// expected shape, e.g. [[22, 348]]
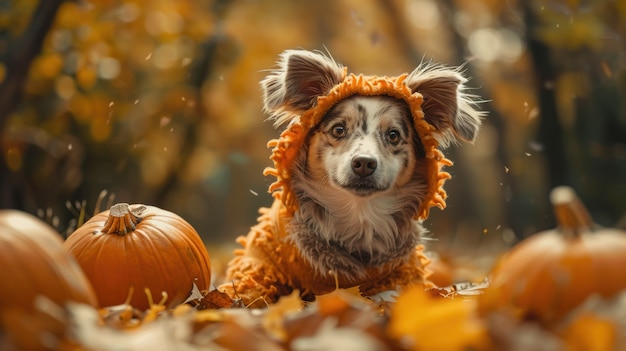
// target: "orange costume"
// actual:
[[269, 266]]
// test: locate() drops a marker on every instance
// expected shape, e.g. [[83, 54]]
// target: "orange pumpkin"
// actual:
[[34, 263], [552, 272], [125, 251]]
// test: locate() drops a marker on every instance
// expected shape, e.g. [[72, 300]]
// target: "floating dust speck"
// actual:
[[535, 146], [165, 120]]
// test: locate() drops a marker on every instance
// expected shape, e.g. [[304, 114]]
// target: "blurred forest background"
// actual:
[[158, 102]]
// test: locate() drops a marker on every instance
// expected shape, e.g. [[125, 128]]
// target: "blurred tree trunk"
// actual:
[[550, 133], [210, 52], [21, 53], [590, 153], [17, 60]]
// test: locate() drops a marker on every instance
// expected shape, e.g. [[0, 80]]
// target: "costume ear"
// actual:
[[300, 78], [446, 105]]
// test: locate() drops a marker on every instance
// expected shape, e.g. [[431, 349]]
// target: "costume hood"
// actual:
[[287, 146]]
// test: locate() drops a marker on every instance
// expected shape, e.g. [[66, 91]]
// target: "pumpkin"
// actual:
[[34, 263], [550, 273], [127, 253]]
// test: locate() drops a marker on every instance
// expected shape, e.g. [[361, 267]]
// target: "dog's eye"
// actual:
[[338, 130], [393, 137]]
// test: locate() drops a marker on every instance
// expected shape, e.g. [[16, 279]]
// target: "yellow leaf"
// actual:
[[590, 332], [273, 321], [432, 323], [340, 300], [210, 315]]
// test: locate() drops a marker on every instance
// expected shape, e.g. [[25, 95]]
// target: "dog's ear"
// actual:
[[300, 78], [446, 104]]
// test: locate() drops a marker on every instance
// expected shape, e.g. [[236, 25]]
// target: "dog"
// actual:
[[358, 165]]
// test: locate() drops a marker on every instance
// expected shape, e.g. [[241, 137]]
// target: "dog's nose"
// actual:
[[364, 166]]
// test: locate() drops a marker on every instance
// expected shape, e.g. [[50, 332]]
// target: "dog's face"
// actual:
[[363, 146]]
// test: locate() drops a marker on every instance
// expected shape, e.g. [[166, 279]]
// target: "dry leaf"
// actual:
[[273, 320], [590, 332], [195, 294], [339, 301], [431, 323], [598, 324], [385, 296], [233, 336], [332, 337], [165, 333], [216, 299], [349, 313], [510, 334], [349, 309], [463, 289]]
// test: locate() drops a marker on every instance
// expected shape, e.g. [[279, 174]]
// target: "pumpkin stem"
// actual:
[[571, 215], [122, 220]]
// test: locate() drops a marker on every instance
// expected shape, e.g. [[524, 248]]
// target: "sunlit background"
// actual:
[[158, 102]]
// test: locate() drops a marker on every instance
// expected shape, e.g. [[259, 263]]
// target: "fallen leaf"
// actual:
[[233, 336], [590, 332], [430, 323], [511, 334], [339, 301], [165, 333], [332, 337], [273, 320], [195, 294], [216, 299], [385, 296], [462, 289]]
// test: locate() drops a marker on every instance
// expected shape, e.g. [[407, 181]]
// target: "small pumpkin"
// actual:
[[125, 251], [550, 273], [34, 263]]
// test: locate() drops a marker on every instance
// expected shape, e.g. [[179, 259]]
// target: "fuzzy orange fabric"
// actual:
[[269, 266]]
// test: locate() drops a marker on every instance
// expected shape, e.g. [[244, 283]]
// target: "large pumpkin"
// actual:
[[34, 263], [125, 251], [552, 272]]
